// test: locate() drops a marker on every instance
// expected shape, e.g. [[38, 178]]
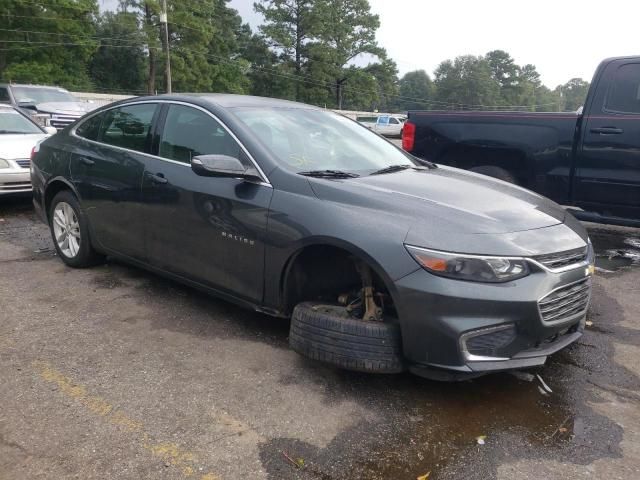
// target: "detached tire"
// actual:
[[495, 172], [326, 333]]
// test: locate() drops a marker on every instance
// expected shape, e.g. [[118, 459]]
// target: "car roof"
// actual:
[[229, 100], [27, 85]]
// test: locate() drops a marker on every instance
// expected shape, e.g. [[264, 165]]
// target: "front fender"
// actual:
[[299, 221]]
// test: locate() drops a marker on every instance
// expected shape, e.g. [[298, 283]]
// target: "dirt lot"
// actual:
[[115, 373]]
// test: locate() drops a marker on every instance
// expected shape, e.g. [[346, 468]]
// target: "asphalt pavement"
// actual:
[[114, 373]]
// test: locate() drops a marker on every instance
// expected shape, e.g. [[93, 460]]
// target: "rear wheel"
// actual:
[[327, 333], [495, 172], [70, 232]]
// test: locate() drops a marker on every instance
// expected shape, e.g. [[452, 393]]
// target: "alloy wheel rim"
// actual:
[[66, 229]]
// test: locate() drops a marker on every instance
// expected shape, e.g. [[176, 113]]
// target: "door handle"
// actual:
[[86, 161], [158, 178], [607, 130]]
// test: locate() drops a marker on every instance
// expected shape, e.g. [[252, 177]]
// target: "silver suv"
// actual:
[[49, 106]]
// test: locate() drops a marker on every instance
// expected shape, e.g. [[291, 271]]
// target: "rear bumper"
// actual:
[[468, 329]]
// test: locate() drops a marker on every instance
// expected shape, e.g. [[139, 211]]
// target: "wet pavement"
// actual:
[[112, 372], [616, 248]]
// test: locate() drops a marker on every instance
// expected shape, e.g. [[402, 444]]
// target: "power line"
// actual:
[[227, 61], [304, 78]]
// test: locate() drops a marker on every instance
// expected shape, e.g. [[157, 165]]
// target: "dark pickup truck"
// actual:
[[588, 161]]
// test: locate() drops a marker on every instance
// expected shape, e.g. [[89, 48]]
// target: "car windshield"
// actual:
[[12, 122], [41, 95], [314, 140]]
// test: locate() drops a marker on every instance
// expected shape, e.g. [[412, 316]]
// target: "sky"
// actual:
[[562, 38]]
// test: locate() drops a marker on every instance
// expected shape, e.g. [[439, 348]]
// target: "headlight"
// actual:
[[4, 163], [42, 119], [473, 268]]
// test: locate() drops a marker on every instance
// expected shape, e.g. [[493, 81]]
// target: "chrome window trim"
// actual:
[[566, 268], [265, 180]]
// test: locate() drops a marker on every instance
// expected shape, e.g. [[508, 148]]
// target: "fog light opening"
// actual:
[[484, 343]]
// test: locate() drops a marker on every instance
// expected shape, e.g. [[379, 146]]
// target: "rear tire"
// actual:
[[328, 334], [70, 232], [495, 172]]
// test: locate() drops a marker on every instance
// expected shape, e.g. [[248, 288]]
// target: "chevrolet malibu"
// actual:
[[382, 261]]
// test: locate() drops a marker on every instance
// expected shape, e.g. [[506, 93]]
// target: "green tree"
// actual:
[[48, 42], [385, 73], [119, 64], [506, 74], [467, 83], [203, 42], [573, 94], [416, 89], [362, 92], [348, 29], [267, 76], [289, 26]]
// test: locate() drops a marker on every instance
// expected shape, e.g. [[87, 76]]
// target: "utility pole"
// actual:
[[339, 84], [164, 20]]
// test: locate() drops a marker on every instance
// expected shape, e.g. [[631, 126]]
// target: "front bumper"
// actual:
[[468, 328], [14, 180]]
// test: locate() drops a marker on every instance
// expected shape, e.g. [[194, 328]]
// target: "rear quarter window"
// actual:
[[90, 128]]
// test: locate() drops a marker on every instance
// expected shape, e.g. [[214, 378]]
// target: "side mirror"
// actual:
[[222, 166], [51, 130]]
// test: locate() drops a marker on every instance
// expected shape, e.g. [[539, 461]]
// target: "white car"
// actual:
[[387, 125], [18, 135]]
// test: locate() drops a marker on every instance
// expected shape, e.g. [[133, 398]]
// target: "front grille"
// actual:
[[24, 162], [61, 121], [14, 186], [563, 259], [566, 302]]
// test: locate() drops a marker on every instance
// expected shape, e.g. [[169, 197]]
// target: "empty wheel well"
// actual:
[[324, 272], [52, 190]]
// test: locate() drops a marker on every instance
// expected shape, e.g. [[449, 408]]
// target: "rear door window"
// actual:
[[624, 92], [189, 132], [128, 127]]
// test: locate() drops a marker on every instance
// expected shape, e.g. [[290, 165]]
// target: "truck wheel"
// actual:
[[70, 232], [328, 334], [495, 172]]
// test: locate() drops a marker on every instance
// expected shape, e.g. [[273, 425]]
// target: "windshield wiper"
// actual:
[[328, 174], [391, 169]]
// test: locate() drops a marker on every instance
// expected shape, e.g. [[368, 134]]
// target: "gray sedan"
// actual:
[[383, 262]]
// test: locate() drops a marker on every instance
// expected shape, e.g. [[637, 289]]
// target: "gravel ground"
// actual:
[[115, 373]]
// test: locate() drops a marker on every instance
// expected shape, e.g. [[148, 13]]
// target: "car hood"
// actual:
[[19, 146], [447, 199], [65, 108]]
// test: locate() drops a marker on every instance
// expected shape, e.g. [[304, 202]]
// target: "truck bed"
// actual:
[[535, 147]]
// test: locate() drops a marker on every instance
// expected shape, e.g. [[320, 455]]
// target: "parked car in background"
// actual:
[[383, 261], [50, 106], [387, 125], [18, 136], [588, 160]]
